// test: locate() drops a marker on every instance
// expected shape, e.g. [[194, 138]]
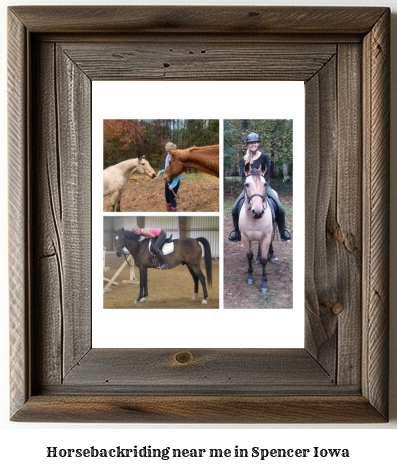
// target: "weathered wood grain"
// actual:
[[204, 369], [73, 89], [198, 20], [376, 165], [199, 409], [341, 375], [320, 173], [19, 223], [347, 223], [176, 58]]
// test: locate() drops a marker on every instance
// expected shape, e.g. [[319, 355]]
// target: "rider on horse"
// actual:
[[255, 157], [151, 234]]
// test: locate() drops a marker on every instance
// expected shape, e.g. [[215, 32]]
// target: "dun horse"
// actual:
[[115, 178], [255, 221], [186, 252], [205, 159]]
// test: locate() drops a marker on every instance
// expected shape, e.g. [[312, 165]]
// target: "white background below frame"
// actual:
[[207, 328]]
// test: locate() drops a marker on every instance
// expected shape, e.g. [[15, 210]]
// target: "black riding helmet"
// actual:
[[253, 137]]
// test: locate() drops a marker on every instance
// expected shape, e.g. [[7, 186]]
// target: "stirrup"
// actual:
[[164, 266]]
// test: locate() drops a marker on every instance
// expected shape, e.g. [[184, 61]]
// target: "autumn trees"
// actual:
[[129, 138], [276, 138]]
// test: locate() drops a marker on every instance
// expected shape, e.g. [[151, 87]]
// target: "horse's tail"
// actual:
[[207, 258]]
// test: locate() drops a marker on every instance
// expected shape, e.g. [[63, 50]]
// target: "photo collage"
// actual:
[[173, 203]]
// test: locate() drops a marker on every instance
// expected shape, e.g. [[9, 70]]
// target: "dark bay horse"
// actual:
[[186, 252], [255, 221]]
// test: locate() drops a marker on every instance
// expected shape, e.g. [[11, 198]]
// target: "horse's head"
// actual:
[[145, 168], [255, 189], [119, 241], [175, 168]]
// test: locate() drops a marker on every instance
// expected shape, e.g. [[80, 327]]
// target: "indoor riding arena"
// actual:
[[168, 289]]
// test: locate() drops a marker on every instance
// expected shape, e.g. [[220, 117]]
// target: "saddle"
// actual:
[[167, 246], [272, 205]]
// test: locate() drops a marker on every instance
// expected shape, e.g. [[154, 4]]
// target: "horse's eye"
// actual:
[[247, 185]]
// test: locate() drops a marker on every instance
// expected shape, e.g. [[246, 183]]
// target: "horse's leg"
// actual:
[[143, 290], [118, 202], [195, 280], [114, 200], [250, 276], [265, 249], [250, 256], [258, 257], [271, 257], [201, 277]]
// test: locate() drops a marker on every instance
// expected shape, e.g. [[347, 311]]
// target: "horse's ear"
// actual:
[[140, 157], [247, 168], [263, 168]]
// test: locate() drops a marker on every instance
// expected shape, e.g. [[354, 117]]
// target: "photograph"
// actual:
[[161, 165], [258, 214], [161, 262]]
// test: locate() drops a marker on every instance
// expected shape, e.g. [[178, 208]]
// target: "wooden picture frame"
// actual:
[[342, 54]]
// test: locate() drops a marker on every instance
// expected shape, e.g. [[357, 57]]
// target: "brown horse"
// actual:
[[115, 178], [255, 221], [186, 252], [205, 159]]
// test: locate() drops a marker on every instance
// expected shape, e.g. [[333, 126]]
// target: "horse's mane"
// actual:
[[130, 235], [127, 162], [186, 152]]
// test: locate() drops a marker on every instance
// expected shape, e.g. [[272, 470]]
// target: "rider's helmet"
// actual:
[[253, 137]]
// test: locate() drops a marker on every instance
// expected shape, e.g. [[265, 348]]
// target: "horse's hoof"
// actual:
[[204, 301], [264, 291], [193, 298], [142, 300], [250, 281]]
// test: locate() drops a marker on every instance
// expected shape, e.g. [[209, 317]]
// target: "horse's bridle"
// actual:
[[120, 252], [249, 198]]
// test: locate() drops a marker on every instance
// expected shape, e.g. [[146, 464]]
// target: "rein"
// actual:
[[126, 259]]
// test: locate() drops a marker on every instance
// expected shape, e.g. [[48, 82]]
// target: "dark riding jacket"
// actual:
[[264, 157]]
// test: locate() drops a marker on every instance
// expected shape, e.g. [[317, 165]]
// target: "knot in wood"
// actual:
[[338, 235], [337, 308], [183, 358]]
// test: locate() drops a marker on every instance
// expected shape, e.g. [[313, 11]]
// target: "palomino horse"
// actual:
[[205, 159], [186, 252], [115, 178], [256, 222]]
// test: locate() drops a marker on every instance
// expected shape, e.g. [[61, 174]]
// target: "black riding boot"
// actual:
[[163, 265], [284, 234], [235, 235]]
